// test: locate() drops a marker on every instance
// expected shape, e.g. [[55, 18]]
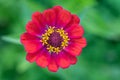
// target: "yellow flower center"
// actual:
[[55, 39]]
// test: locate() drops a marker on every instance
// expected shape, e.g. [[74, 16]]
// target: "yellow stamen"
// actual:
[[45, 38], [50, 48], [57, 50]]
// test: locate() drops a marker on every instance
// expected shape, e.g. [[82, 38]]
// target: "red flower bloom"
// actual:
[[53, 38]]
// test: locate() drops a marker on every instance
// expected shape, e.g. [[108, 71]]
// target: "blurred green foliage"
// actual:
[[100, 60]]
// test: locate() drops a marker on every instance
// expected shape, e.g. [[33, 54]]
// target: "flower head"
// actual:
[[53, 38]]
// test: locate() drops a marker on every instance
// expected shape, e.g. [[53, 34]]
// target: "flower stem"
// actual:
[[10, 40]]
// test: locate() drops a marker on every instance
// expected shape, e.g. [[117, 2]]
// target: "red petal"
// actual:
[[57, 9], [32, 28], [73, 59], [75, 31], [63, 60], [63, 18], [81, 42], [37, 18], [50, 17], [31, 57], [75, 20], [52, 66], [73, 49], [43, 59], [30, 42]]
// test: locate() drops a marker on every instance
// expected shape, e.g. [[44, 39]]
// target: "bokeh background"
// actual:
[[100, 60]]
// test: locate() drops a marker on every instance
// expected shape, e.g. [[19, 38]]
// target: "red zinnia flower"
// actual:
[[53, 38]]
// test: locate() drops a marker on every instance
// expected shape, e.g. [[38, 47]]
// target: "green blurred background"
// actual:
[[100, 60]]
